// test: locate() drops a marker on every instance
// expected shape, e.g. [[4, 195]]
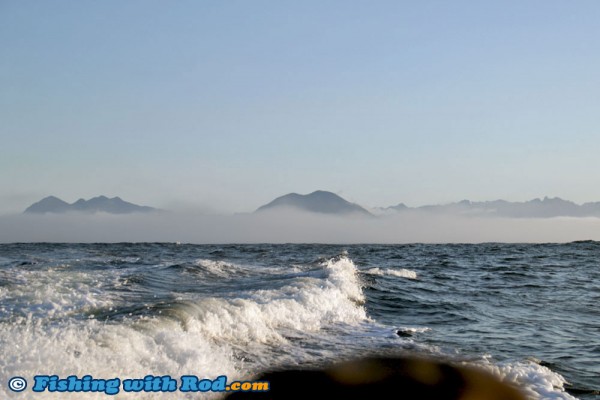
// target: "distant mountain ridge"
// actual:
[[115, 205], [320, 201], [324, 202], [536, 208]]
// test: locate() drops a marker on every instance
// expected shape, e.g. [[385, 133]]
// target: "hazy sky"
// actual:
[[224, 105]]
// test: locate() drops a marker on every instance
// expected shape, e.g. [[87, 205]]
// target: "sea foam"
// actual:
[[201, 336], [400, 273], [536, 381]]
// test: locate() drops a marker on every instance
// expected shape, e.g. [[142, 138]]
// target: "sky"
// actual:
[[221, 106]]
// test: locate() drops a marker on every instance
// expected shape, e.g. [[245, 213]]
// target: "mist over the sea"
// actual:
[[292, 227]]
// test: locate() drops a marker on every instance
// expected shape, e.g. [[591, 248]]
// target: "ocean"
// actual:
[[527, 313]]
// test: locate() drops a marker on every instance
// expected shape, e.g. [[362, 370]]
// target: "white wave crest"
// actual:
[[536, 381], [413, 329], [219, 268], [401, 273], [203, 335], [306, 304]]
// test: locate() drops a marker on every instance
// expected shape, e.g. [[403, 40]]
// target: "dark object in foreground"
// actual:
[[378, 378]]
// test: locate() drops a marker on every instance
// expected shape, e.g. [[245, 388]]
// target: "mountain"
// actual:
[[49, 204], [115, 205], [536, 208], [318, 202]]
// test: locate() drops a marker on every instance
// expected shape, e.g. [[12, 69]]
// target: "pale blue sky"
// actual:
[[224, 105]]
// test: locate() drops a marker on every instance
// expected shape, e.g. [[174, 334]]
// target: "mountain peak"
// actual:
[[116, 205], [51, 198], [319, 201], [48, 203]]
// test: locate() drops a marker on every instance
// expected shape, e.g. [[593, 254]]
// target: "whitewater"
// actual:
[[526, 313]]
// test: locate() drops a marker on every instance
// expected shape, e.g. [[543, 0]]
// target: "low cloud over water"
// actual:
[[292, 227]]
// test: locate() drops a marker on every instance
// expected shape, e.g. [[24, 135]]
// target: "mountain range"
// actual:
[[324, 202], [113, 205], [329, 203], [536, 208]]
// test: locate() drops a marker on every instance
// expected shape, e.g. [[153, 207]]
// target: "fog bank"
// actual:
[[291, 227]]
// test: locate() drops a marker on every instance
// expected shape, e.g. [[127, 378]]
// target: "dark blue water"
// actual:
[[527, 313]]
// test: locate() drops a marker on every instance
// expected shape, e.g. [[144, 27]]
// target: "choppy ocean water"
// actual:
[[528, 313]]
